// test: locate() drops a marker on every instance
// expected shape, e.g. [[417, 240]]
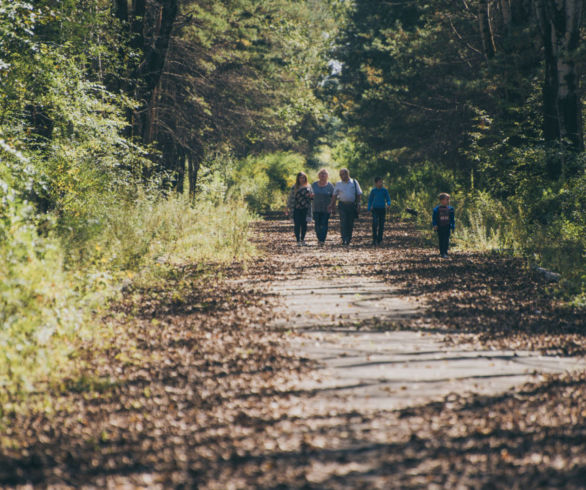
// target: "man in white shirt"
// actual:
[[348, 193]]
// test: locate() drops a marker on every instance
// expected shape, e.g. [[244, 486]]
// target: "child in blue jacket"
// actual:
[[378, 201], [443, 223]]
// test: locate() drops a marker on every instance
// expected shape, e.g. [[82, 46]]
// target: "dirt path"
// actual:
[[206, 382], [349, 325]]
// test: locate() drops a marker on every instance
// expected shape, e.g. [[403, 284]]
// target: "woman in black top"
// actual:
[[299, 205]]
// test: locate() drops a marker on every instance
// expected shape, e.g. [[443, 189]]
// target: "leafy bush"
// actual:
[[263, 181], [550, 225], [544, 221], [40, 311]]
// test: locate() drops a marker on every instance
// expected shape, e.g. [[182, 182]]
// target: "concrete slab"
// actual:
[[343, 324]]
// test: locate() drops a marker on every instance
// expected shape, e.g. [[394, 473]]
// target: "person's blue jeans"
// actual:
[[321, 225], [347, 216], [300, 223], [443, 233], [378, 224]]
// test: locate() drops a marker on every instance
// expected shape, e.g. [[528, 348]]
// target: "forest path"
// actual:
[[351, 327], [318, 368], [376, 348]]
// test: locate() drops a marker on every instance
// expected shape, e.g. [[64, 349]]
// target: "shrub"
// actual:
[[263, 181], [47, 303], [40, 311]]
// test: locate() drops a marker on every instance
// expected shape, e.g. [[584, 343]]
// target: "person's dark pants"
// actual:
[[443, 233], [321, 225], [378, 224], [347, 216], [300, 222]]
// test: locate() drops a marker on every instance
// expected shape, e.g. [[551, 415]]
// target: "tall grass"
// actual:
[[52, 290], [171, 230], [545, 227]]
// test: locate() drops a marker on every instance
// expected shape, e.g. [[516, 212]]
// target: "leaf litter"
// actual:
[[195, 388]]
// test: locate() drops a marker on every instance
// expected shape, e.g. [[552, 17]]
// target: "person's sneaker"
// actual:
[[303, 244], [299, 244]]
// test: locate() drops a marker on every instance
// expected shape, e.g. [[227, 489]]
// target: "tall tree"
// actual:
[[459, 82], [405, 82], [238, 74], [560, 22], [150, 26]]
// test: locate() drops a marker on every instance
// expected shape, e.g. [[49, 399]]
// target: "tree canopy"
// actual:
[[99, 96]]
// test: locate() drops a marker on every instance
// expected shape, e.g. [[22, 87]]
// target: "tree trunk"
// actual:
[[192, 171], [560, 28], [138, 19], [121, 9], [155, 54], [507, 13], [180, 175], [484, 27]]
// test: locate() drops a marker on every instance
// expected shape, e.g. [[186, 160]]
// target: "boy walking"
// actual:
[[378, 202], [444, 223]]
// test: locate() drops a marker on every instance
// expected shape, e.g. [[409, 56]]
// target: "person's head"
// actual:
[[323, 176], [345, 174], [444, 199], [378, 182], [301, 180]]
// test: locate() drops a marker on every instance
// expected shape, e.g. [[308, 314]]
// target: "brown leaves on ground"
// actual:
[[196, 390]]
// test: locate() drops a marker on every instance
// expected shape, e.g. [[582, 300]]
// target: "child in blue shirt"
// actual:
[[378, 201], [444, 223]]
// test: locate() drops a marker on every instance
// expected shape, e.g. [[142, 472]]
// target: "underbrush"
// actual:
[[261, 181], [170, 230], [53, 289], [40, 308], [544, 223]]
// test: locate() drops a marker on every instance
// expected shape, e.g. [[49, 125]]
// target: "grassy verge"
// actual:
[[486, 224], [54, 288]]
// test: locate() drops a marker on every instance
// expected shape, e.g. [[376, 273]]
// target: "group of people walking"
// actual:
[[317, 203]]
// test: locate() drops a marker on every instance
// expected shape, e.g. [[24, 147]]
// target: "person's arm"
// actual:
[[388, 198], [370, 200], [452, 219], [358, 187], [434, 219], [359, 192], [290, 201], [332, 205]]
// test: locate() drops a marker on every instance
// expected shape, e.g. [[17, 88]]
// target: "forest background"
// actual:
[[139, 135]]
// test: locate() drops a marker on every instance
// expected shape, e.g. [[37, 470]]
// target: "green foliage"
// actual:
[[241, 77], [264, 181], [77, 213], [460, 86], [47, 307], [40, 311], [542, 221], [152, 230], [551, 219]]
